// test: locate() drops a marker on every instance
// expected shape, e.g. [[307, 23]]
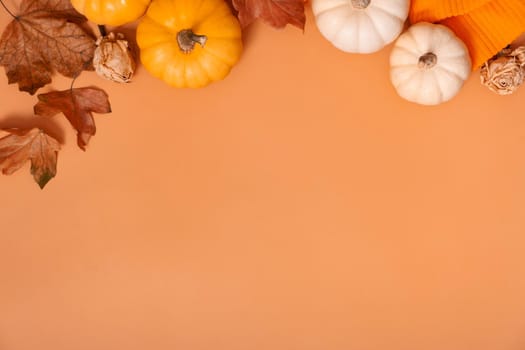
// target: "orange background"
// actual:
[[298, 204]]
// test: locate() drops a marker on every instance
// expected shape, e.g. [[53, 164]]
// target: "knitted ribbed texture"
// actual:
[[485, 26], [490, 28], [437, 10]]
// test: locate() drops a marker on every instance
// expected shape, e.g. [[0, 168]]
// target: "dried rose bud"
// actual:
[[519, 54], [113, 59], [504, 73]]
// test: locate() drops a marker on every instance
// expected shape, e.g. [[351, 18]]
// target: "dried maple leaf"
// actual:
[[277, 13], [45, 37], [19, 146], [77, 105]]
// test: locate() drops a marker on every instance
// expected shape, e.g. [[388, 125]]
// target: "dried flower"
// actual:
[[519, 54], [113, 59], [504, 73]]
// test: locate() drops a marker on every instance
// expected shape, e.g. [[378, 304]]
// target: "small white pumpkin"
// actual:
[[429, 64], [360, 26]]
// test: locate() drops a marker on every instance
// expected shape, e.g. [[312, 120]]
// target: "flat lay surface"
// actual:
[[297, 204]]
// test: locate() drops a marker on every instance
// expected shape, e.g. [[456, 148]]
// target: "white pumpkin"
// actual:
[[360, 26], [429, 64]]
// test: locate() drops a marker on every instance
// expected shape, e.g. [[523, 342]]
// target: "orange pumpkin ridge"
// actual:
[[111, 12]]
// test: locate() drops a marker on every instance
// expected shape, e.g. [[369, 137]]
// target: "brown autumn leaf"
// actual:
[[77, 105], [21, 145], [45, 37], [277, 13]]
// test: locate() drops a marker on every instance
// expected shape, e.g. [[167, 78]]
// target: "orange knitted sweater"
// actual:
[[485, 26]]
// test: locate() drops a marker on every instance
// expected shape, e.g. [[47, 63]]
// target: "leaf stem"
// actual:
[[101, 29], [72, 80], [7, 10]]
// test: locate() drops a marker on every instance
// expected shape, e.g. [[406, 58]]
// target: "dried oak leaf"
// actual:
[[19, 146], [45, 37], [277, 13], [77, 105]]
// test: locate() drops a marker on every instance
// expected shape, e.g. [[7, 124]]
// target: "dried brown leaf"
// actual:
[[21, 145], [78, 106], [45, 37], [277, 13]]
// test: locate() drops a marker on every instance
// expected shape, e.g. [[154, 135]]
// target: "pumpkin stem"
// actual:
[[427, 61], [360, 4], [187, 40]]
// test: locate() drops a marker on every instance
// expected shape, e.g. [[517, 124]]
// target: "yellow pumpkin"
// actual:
[[189, 43], [111, 12]]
